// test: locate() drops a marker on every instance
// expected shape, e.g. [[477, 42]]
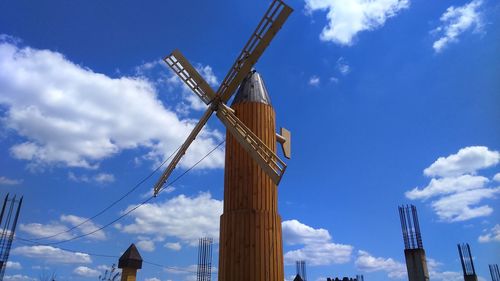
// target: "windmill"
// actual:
[[250, 239]]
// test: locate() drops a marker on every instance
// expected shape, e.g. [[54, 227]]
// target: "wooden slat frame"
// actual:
[[182, 150], [188, 74], [270, 24], [263, 155]]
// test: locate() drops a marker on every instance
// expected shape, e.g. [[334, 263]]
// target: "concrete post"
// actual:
[[130, 262], [416, 265]]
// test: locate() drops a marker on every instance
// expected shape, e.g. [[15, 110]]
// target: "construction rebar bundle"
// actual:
[[466, 259], [410, 226], [495, 274], [204, 272], [8, 228]]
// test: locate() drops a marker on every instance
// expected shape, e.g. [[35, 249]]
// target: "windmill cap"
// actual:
[[131, 258], [252, 89]]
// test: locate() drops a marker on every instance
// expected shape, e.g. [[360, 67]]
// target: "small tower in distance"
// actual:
[[467, 262], [416, 263], [301, 270], [130, 262], [297, 278]]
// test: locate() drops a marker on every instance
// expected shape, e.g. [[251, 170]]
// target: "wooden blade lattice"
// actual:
[[270, 24], [182, 150], [263, 155], [188, 74]]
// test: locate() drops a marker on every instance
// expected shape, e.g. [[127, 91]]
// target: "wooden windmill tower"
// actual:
[[250, 239]]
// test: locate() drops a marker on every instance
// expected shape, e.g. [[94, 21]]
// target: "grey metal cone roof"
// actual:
[[252, 89]]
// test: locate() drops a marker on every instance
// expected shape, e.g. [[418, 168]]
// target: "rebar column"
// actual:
[[416, 262]]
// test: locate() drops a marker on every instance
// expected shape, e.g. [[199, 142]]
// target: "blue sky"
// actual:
[[389, 102]]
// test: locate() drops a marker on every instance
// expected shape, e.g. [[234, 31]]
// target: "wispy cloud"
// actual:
[[314, 80], [490, 235], [347, 18], [100, 178], [173, 246], [7, 181], [18, 277], [65, 221], [342, 66], [457, 20], [86, 271], [456, 189], [51, 254], [14, 265]]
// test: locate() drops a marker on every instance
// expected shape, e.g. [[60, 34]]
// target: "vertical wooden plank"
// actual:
[[250, 240]]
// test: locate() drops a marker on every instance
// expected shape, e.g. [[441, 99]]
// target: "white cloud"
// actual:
[[51, 254], [368, 263], [18, 277], [295, 232], [456, 189], [183, 270], [53, 103], [468, 160], [436, 274], [175, 84], [496, 177], [104, 267], [86, 272], [43, 230], [85, 228], [342, 66], [320, 254], [104, 178], [152, 279], [346, 18], [39, 230], [318, 248], [447, 185], [447, 276], [186, 218], [7, 181], [457, 20], [146, 245], [491, 235], [334, 79], [460, 206], [100, 178], [173, 246], [13, 265], [314, 80]]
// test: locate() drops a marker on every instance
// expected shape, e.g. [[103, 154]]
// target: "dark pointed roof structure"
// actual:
[[298, 278], [131, 258], [252, 89]]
